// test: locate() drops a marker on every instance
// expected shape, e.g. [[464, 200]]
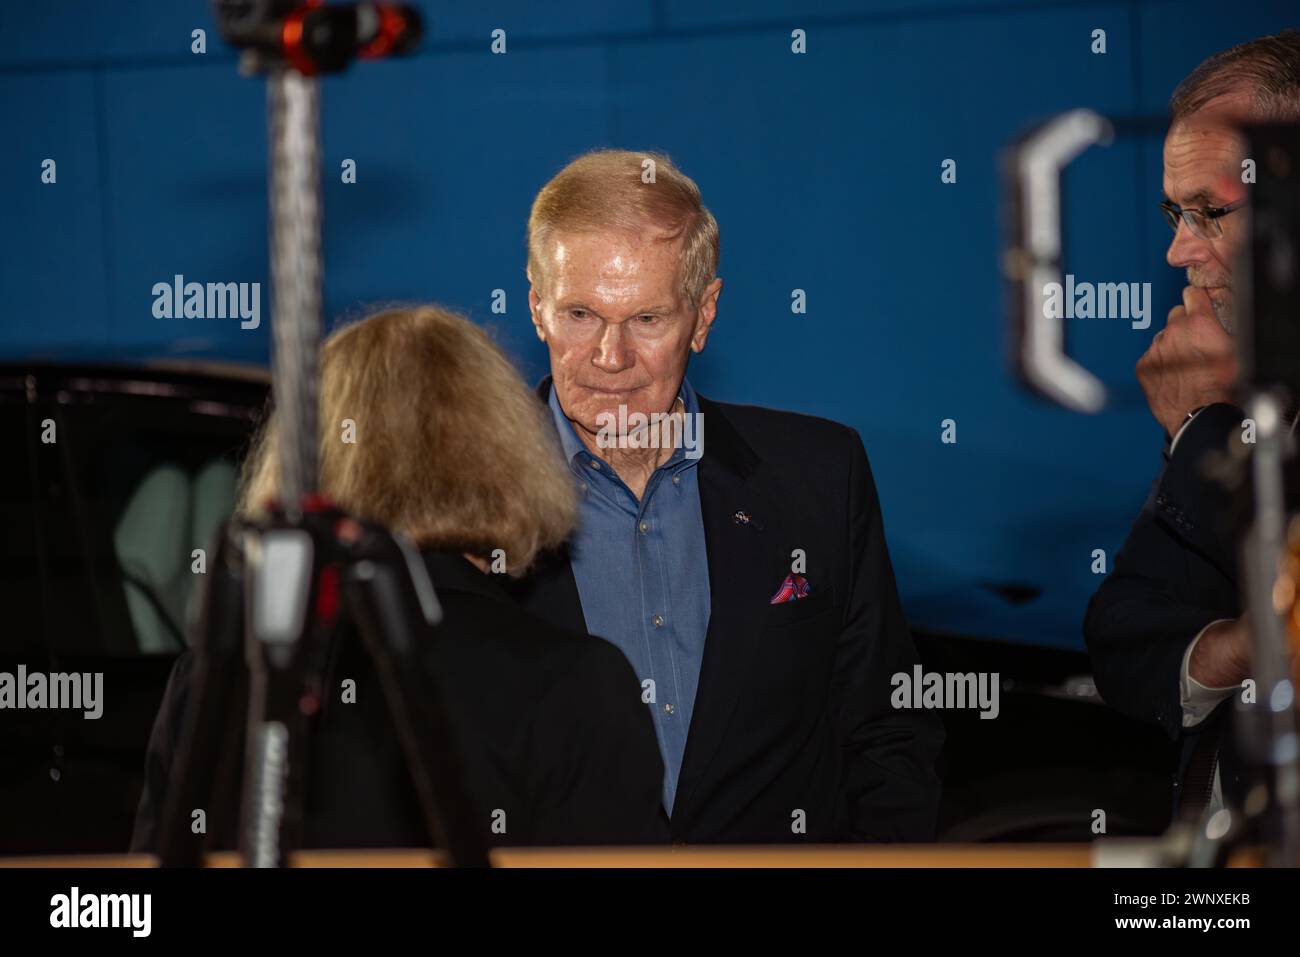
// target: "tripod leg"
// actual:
[[383, 598], [212, 686]]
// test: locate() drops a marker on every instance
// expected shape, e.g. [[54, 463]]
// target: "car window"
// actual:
[[19, 583], [133, 490]]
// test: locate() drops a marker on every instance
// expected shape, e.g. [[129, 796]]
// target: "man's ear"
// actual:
[[705, 314], [535, 309]]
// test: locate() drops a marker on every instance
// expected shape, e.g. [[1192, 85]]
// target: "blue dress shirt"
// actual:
[[642, 572]]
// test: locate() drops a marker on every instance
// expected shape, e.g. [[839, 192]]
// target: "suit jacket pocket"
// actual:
[[801, 609]]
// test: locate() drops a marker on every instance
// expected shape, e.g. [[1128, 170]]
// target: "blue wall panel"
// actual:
[[53, 260], [823, 170]]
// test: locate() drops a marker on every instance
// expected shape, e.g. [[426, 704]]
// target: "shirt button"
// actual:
[[668, 708], [595, 465], [658, 620], [677, 480], [645, 527]]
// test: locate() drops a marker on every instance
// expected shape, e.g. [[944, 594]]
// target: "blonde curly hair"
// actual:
[[451, 448]]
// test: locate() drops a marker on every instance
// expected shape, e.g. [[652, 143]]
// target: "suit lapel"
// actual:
[[551, 592], [740, 561]]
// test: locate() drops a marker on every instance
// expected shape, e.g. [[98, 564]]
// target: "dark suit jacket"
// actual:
[[1176, 573], [549, 723], [793, 708]]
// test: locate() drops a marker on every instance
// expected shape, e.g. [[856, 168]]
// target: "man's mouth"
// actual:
[[604, 390]]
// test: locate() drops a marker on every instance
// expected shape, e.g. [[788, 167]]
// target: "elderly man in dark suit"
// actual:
[[735, 554]]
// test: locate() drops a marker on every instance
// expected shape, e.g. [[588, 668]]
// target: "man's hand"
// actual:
[[1192, 362], [1222, 657]]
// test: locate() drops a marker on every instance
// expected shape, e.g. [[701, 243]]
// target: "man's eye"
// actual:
[[647, 318], [578, 313]]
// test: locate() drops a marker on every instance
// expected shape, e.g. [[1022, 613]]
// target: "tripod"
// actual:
[[279, 597], [282, 589]]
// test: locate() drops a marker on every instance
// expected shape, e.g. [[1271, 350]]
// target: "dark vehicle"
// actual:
[[115, 481]]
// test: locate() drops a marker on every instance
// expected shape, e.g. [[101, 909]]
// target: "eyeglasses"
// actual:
[[1203, 221]]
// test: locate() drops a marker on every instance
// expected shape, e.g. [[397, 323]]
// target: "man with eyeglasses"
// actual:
[[1165, 632]]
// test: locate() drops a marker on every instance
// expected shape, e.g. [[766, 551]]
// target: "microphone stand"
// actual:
[[1269, 353]]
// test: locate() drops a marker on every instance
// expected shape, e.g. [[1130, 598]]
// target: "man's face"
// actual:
[[618, 329], [1203, 157]]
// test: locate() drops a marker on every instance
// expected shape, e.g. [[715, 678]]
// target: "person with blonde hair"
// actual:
[[446, 444], [427, 429]]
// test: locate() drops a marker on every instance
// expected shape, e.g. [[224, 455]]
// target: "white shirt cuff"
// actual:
[[1173, 443], [1199, 700]]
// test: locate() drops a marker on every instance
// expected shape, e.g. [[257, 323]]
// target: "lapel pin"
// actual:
[[741, 517]]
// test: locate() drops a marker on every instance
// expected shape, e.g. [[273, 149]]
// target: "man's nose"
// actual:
[[1187, 249], [612, 354]]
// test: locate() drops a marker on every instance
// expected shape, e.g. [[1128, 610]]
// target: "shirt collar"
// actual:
[[575, 450]]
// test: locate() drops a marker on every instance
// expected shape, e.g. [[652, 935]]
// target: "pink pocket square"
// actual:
[[792, 589]]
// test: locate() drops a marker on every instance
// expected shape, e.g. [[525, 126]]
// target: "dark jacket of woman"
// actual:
[[557, 747]]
